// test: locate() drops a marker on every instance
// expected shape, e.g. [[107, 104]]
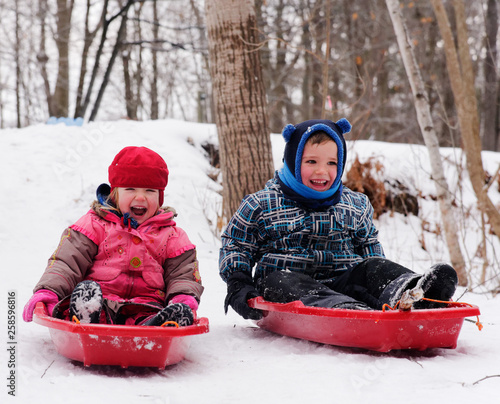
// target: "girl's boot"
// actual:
[[86, 302], [179, 313]]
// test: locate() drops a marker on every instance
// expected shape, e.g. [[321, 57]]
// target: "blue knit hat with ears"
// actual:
[[290, 177], [297, 136]]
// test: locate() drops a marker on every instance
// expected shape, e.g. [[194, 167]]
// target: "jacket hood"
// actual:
[[105, 208]]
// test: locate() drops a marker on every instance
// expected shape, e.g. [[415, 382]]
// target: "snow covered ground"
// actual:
[[49, 174]]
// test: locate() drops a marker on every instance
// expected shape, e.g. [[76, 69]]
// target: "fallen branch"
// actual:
[[484, 378], [47, 368]]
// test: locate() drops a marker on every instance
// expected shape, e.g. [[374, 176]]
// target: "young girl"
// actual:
[[125, 261], [306, 237]]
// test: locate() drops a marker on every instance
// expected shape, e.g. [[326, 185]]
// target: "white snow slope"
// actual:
[[49, 174]]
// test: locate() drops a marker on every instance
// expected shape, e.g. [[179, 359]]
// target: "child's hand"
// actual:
[[186, 299], [239, 290], [48, 297]]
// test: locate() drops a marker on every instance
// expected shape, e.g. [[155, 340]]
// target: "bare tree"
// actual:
[[89, 36], [154, 55], [241, 116], [490, 108], [18, 67], [123, 13], [60, 100], [431, 140], [133, 78], [106, 22], [461, 74]]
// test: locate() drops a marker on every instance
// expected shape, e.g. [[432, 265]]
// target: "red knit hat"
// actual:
[[139, 167]]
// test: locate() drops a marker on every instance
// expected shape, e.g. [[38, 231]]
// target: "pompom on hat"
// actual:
[[139, 167]]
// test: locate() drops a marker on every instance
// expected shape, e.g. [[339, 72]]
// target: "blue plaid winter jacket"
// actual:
[[274, 233]]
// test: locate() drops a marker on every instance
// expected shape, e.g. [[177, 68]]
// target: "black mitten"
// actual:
[[239, 290]]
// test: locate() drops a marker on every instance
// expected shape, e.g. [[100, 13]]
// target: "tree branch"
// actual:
[[484, 378]]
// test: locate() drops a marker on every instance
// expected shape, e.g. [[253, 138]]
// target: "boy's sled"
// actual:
[[375, 330], [101, 344]]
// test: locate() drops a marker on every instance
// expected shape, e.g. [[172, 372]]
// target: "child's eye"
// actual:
[[129, 189], [332, 163], [310, 161], [151, 190]]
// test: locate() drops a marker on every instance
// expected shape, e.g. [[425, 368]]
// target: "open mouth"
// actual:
[[138, 211], [319, 183]]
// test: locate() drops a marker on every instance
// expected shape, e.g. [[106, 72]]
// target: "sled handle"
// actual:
[[167, 323]]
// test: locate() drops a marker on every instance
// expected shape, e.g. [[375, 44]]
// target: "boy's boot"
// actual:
[[178, 312], [86, 302], [439, 283]]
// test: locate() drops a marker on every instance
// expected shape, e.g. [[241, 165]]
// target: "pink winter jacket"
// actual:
[[149, 264]]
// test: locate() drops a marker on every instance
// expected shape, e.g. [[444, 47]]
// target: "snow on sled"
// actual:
[[102, 344], [375, 330]]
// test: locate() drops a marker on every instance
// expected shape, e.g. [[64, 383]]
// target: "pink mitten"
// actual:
[[48, 297], [186, 299]]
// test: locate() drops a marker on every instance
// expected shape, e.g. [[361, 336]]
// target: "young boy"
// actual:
[[306, 237]]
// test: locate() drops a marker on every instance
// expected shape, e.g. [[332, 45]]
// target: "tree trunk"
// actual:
[[240, 103], [138, 73], [306, 87], [462, 82], [42, 57], [87, 42], [130, 103], [324, 84], [318, 61], [278, 96], [2, 120], [61, 90], [155, 111], [490, 108], [430, 138], [18, 67]]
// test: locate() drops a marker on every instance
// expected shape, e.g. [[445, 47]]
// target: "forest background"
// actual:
[[153, 59]]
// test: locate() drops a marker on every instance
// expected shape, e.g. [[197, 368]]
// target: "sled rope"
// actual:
[[479, 325]]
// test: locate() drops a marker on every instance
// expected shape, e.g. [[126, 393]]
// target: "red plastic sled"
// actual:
[[101, 344], [376, 330]]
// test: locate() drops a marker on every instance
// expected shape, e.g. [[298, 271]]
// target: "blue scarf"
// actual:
[[305, 196]]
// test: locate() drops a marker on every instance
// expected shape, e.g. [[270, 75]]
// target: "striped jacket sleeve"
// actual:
[[365, 238], [240, 246]]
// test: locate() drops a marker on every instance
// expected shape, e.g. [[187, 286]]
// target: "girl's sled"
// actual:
[[375, 330], [120, 345]]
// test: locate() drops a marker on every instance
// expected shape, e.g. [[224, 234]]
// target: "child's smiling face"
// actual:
[[140, 203], [319, 165]]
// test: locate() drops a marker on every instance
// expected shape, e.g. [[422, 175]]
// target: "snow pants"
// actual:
[[373, 282]]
